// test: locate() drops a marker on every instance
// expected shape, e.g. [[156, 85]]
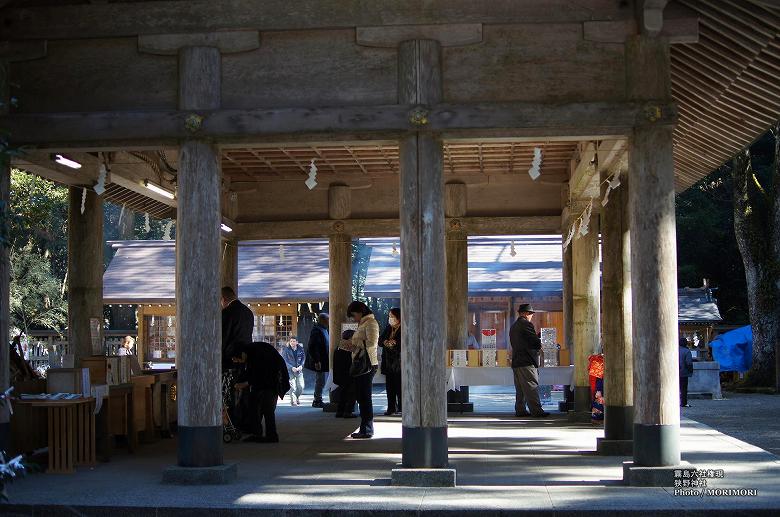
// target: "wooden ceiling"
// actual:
[[381, 159], [726, 85]]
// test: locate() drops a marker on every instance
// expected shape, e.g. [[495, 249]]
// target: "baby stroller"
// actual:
[[229, 431]]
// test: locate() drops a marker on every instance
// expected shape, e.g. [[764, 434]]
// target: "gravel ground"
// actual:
[[750, 417]]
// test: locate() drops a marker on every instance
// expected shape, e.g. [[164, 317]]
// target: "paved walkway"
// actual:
[[504, 464], [751, 417]]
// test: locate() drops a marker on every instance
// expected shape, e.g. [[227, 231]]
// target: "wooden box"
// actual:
[[68, 380], [474, 357], [111, 370]]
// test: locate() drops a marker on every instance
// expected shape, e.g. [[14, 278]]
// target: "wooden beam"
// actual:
[[447, 35], [584, 181], [230, 126], [522, 225], [114, 20]]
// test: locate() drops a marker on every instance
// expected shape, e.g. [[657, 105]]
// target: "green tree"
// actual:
[[36, 292], [39, 210]]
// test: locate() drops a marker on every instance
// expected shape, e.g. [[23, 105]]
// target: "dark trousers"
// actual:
[[683, 391], [264, 402], [393, 380], [363, 387], [319, 384], [346, 399], [527, 390]]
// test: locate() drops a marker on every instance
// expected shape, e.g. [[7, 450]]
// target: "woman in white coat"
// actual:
[[366, 335]]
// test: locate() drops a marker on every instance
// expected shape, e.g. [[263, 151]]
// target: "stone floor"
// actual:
[[504, 465]]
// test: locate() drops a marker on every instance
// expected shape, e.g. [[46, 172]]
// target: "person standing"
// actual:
[[317, 358], [265, 378], [294, 356], [345, 393], [686, 371], [366, 335], [526, 346], [238, 323], [390, 341]]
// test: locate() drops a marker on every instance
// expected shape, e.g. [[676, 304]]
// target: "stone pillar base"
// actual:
[[443, 477], [579, 416], [614, 447], [635, 475], [217, 475]]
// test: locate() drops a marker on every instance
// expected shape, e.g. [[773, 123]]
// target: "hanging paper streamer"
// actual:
[[512, 251], [121, 216], [395, 250], [536, 164], [281, 252], [100, 186], [147, 224], [569, 237], [83, 200], [585, 220], [613, 182], [312, 181], [167, 233]]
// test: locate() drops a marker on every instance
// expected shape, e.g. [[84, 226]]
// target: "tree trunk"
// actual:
[[756, 212]]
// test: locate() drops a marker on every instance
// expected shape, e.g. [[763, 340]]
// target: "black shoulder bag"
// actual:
[[361, 364]]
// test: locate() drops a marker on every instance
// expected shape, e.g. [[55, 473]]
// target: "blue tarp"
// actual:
[[734, 350]]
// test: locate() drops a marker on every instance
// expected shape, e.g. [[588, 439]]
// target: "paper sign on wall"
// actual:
[[488, 357], [489, 339], [459, 358]]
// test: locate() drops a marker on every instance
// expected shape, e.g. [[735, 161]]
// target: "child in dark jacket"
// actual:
[[346, 395], [266, 378]]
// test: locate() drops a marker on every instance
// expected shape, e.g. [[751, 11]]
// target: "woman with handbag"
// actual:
[[391, 360], [364, 347]]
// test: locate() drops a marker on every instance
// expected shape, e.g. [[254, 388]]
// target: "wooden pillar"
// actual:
[[457, 274], [5, 265], [229, 263], [85, 269], [424, 432], [339, 286], [616, 312], [340, 264], [198, 323], [586, 305], [653, 263]]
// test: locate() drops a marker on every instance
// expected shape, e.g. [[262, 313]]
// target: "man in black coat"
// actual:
[[238, 322], [264, 378], [526, 347], [686, 370], [317, 358]]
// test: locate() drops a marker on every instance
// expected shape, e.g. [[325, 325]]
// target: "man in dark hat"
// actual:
[[526, 347]]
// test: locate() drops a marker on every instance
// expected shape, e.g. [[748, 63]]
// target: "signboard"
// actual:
[[550, 346], [488, 339], [459, 358], [489, 358], [96, 336]]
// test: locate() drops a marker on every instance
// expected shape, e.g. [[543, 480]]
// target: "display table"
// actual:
[[71, 432], [504, 376]]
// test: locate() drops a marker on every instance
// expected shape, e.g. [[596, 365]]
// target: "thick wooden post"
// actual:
[[229, 264], [616, 315], [653, 263], [339, 286], [340, 264], [457, 275], [423, 264], [198, 323], [85, 269], [5, 265], [586, 304]]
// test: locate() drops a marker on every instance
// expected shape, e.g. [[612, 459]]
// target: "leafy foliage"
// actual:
[[36, 293]]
